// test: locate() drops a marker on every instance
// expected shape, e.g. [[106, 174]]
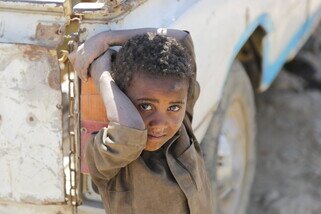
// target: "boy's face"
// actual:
[[161, 101]]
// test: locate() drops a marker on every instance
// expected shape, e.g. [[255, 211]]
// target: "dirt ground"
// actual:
[[288, 173]]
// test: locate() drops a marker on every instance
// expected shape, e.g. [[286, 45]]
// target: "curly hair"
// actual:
[[153, 54]]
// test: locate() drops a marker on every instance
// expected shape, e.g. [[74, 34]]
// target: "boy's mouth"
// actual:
[[156, 136]]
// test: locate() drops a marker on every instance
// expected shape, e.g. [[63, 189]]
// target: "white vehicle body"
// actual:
[[32, 176]]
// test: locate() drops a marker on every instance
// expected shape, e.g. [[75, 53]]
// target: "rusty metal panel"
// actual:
[[31, 167], [27, 23]]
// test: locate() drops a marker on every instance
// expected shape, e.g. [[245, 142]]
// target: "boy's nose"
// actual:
[[157, 120]]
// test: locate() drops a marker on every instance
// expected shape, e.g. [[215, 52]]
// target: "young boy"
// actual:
[[147, 160]]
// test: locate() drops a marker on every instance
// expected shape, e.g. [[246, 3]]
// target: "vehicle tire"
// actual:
[[229, 144]]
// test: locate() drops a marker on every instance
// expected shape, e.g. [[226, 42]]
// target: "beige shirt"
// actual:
[[172, 179]]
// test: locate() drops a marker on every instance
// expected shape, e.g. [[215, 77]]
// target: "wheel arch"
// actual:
[[251, 56], [249, 49]]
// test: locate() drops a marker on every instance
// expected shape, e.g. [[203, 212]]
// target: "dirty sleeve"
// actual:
[[112, 148]]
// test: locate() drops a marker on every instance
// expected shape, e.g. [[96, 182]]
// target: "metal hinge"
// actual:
[[72, 156]]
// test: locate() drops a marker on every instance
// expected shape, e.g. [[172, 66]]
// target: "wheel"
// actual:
[[229, 144]]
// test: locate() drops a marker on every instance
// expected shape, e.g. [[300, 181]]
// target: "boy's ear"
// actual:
[[194, 94]]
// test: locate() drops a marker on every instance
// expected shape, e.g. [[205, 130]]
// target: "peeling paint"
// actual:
[[36, 53], [53, 77], [48, 32], [45, 30], [32, 52]]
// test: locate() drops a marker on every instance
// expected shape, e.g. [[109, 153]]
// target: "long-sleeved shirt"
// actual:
[[172, 179]]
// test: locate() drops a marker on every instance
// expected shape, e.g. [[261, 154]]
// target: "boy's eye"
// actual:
[[145, 107], [174, 108]]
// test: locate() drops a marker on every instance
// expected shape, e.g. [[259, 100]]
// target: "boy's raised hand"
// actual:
[[86, 54]]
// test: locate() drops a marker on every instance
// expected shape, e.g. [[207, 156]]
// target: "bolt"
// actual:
[[59, 31], [59, 106], [31, 119], [83, 129]]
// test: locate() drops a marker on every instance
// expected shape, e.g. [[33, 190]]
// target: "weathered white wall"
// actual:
[[31, 168]]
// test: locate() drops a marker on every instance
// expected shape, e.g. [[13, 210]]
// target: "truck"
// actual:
[[240, 48]]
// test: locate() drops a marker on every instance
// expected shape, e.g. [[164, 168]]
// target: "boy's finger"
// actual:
[[79, 66]]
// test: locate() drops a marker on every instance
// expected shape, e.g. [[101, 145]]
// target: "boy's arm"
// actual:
[[118, 106], [125, 137], [98, 44]]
